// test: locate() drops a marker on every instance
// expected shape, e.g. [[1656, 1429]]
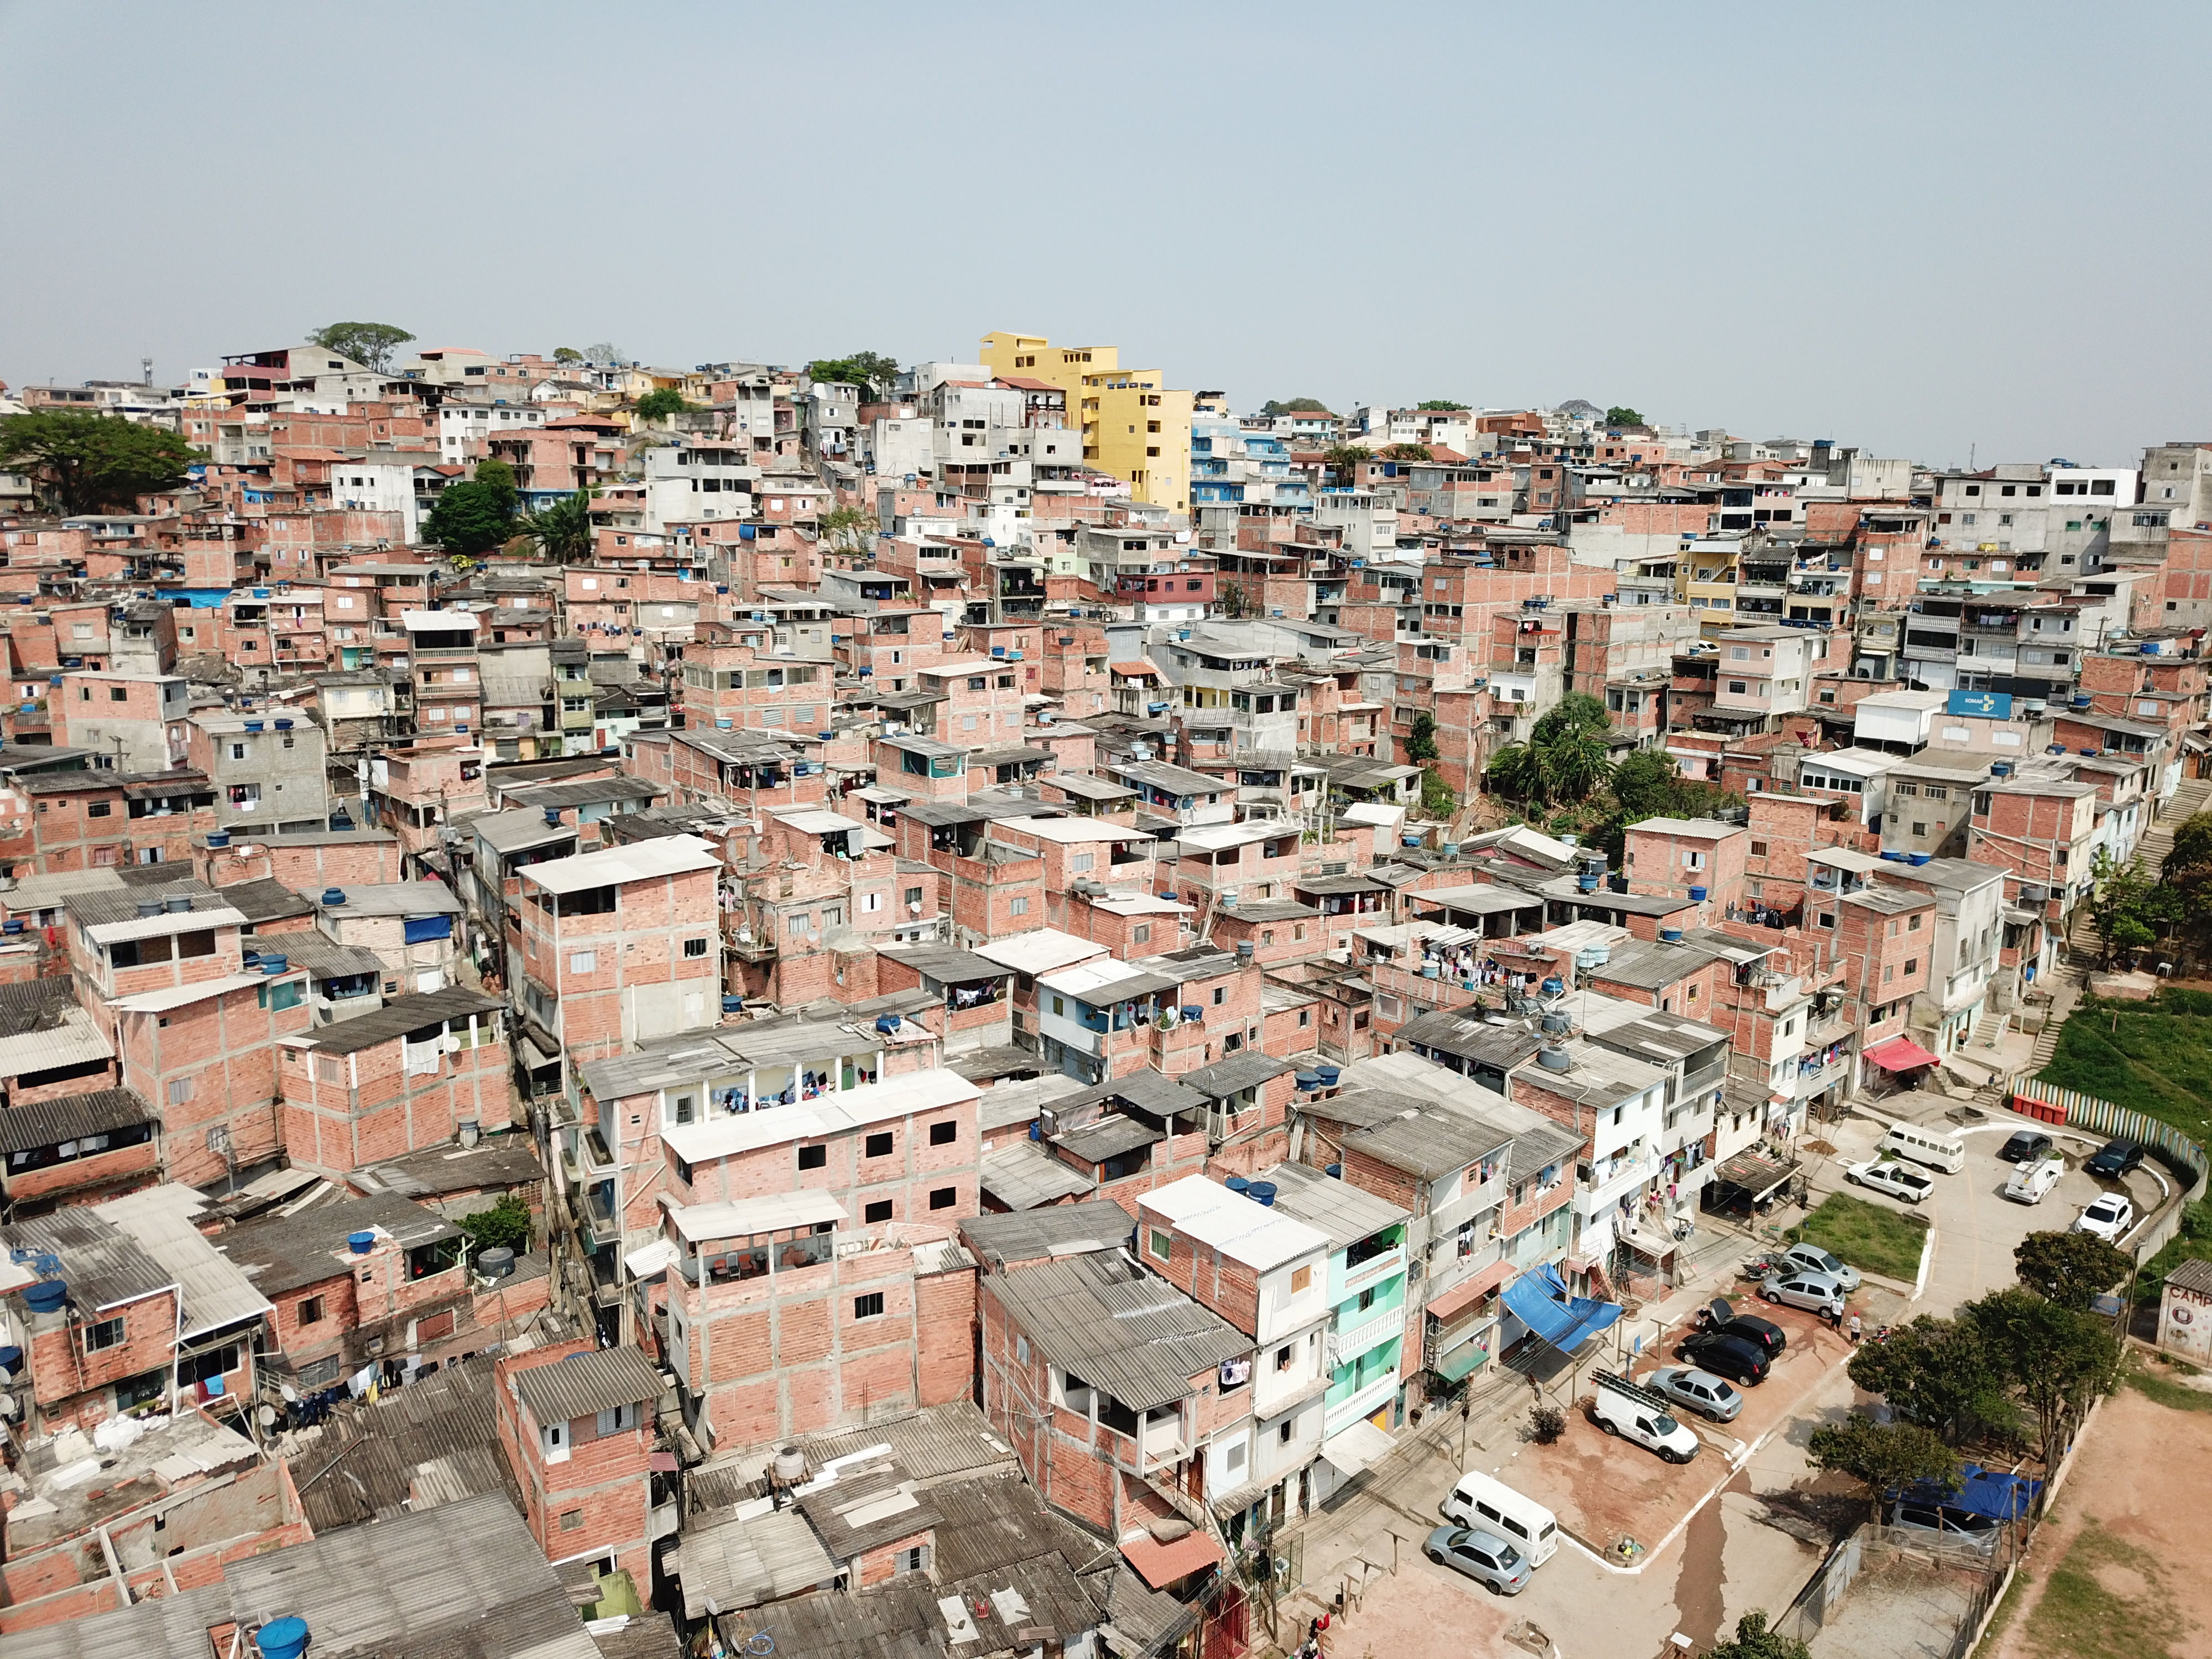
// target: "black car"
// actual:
[[2026, 1147], [1768, 1337], [1738, 1358], [2116, 1158]]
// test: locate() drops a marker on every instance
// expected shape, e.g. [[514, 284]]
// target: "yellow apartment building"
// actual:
[[1133, 425]]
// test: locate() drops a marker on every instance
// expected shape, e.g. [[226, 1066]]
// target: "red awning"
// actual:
[[1901, 1055], [1461, 1298], [1160, 1565]]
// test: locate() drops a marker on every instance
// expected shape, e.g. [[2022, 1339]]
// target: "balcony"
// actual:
[[1609, 1179], [1366, 1403], [1160, 1439], [1346, 1345]]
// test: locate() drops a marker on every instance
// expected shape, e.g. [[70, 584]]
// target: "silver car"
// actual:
[[1701, 1391], [1800, 1287], [1814, 1258], [1482, 1556]]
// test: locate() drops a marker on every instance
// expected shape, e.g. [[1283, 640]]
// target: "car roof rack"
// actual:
[[1621, 1385]]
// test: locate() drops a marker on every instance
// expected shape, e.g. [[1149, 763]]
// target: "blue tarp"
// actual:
[[1540, 1301], [420, 928], [1982, 1492]]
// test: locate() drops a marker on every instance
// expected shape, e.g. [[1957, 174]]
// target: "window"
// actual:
[[616, 1420], [878, 1210], [1912, 966], [583, 962], [813, 1157], [208, 1364], [328, 1070], [1912, 926], [943, 1197], [99, 809], [571, 1520], [1019, 907], [553, 1438], [870, 1306], [944, 1134], [1161, 1243], [1301, 1280], [694, 947], [107, 1333], [1220, 995], [1758, 849], [879, 1145], [310, 1310], [182, 1088]]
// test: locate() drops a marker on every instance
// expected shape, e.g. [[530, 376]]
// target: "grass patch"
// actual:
[[2154, 1056], [2008, 1609], [2194, 1240], [1871, 1238], [2159, 1384], [2093, 1608]]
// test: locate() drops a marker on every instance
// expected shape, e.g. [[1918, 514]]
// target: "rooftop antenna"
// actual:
[[146, 371]]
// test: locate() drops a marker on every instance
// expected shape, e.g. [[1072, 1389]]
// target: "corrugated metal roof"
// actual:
[[1116, 1326], [1345, 1212], [283, 1253], [992, 1522], [584, 1384], [399, 1017], [50, 1122], [216, 1294], [367, 1465], [734, 1563], [47, 892], [103, 1266], [868, 1505], [74, 1040], [936, 1444], [1023, 1175], [667, 855], [1058, 1230]]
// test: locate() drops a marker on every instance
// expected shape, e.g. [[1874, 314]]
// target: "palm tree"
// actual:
[[1340, 459], [1518, 770], [1576, 764], [562, 532]]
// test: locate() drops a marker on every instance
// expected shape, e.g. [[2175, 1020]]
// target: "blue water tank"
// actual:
[[1328, 1075], [1334, 1171], [1308, 1081], [282, 1638], [333, 895], [886, 1025], [362, 1241], [1236, 1184], [1261, 1192], [732, 1005], [1697, 896], [46, 1296]]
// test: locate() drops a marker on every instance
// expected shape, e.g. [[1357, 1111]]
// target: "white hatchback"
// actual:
[[2108, 1217]]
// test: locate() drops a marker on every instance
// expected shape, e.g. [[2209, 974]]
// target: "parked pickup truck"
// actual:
[[1640, 1415]]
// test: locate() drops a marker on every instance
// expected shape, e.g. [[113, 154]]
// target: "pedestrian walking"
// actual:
[[1855, 1330], [1836, 1313]]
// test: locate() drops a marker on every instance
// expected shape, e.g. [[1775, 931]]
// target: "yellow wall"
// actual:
[[1116, 407]]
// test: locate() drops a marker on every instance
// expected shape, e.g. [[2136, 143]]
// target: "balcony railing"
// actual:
[[1346, 1345]]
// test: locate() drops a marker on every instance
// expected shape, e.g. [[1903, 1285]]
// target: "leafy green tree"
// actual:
[[470, 518], [1421, 740], [1517, 770], [567, 355], [849, 529], [1940, 1374], [1755, 1638], [1236, 599], [2060, 1361], [505, 1226], [1578, 711], [1645, 784], [868, 370], [562, 532], [2187, 876], [1882, 1457], [1438, 799], [1406, 453], [1441, 404], [2069, 1269], [1621, 415], [606, 351], [499, 477], [663, 404], [1294, 406], [1577, 764], [1340, 459], [85, 463], [370, 344]]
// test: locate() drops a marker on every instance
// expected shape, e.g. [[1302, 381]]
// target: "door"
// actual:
[[430, 979]]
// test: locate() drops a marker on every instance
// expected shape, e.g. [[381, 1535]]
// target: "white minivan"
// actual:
[[2030, 1181], [1623, 1410], [1932, 1147], [1492, 1506]]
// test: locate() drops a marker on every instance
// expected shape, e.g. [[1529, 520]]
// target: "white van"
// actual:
[[1492, 1506], [1932, 1147], [1632, 1413], [2032, 1180]]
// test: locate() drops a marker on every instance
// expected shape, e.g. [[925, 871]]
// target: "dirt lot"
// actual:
[[2113, 1571], [1603, 1489]]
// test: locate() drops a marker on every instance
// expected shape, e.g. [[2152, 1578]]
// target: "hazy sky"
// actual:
[[1917, 228]]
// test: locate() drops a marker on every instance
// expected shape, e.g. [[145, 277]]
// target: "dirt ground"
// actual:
[[2133, 1502]]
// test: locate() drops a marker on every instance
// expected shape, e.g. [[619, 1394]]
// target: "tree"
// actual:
[[849, 529], [2069, 1269], [562, 532], [1406, 453], [367, 343], [1516, 770], [1578, 711], [1755, 1639], [1646, 784], [1450, 404], [1340, 459], [498, 477], [505, 1226], [567, 355], [2061, 1361], [1294, 406], [1421, 740], [1882, 1457], [1577, 764], [1236, 599], [84, 463], [1621, 415], [1438, 799], [1939, 1374], [2186, 876], [663, 404], [470, 518], [607, 352], [868, 370]]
